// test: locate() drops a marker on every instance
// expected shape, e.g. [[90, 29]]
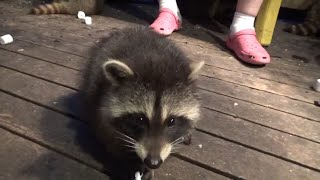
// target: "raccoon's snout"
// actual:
[[153, 162]]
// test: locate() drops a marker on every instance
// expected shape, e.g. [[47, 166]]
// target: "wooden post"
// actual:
[[266, 21]]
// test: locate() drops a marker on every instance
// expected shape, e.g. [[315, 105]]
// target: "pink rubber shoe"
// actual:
[[166, 23], [246, 46]]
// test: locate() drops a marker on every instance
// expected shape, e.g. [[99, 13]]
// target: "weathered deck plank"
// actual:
[[242, 161], [261, 115], [57, 22], [73, 138], [228, 92], [269, 86], [40, 69], [289, 79], [17, 29], [281, 152], [258, 97], [57, 74], [22, 159], [226, 59], [64, 139], [44, 54], [300, 94]]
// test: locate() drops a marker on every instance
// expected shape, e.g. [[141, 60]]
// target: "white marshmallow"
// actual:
[[138, 176], [81, 15], [88, 20], [316, 85], [6, 39]]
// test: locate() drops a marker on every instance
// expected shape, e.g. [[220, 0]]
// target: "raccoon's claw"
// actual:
[[187, 140]]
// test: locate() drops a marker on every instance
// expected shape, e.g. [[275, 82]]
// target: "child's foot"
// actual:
[[166, 23], [246, 46]]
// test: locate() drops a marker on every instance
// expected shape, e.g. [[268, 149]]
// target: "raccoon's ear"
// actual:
[[195, 68], [116, 71]]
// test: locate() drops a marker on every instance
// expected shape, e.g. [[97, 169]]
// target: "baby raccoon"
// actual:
[[141, 95], [90, 7]]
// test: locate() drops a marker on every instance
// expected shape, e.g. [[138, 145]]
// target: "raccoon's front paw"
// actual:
[[187, 139]]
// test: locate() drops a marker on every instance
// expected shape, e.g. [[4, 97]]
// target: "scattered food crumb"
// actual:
[[88, 20], [55, 102], [235, 104], [316, 85], [81, 15], [200, 146], [290, 170], [6, 39], [20, 50], [138, 176]]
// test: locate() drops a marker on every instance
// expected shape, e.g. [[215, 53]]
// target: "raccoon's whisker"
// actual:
[[175, 147], [177, 141], [133, 147], [173, 152], [126, 136], [128, 141]]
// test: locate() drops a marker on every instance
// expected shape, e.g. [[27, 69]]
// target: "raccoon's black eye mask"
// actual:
[[178, 121], [177, 126], [135, 123]]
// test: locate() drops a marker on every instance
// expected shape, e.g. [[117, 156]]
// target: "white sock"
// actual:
[[172, 5], [240, 22]]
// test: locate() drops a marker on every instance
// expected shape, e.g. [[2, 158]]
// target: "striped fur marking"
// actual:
[[142, 102], [53, 8], [165, 151], [174, 104], [140, 150], [311, 25]]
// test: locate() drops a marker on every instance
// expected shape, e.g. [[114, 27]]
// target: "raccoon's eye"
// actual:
[[140, 119], [171, 122]]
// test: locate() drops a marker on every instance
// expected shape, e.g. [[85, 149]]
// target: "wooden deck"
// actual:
[[258, 123]]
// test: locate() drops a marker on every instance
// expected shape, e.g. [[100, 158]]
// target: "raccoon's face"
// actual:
[[150, 122]]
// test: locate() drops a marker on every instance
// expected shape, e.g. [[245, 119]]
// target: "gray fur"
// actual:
[[90, 7], [159, 76]]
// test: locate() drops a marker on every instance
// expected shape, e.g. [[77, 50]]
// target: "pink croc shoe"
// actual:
[[166, 23], [246, 46]]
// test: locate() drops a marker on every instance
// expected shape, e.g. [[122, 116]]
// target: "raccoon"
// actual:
[[311, 25], [141, 95], [72, 7]]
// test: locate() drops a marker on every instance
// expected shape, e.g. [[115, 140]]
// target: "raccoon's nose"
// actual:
[[153, 162]]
